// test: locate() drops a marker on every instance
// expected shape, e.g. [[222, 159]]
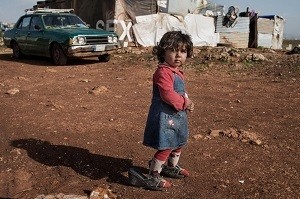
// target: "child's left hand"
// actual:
[[190, 105]]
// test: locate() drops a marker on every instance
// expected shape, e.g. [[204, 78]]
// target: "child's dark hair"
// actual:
[[173, 40]]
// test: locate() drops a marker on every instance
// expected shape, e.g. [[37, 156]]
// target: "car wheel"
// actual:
[[58, 56], [16, 51], [104, 58]]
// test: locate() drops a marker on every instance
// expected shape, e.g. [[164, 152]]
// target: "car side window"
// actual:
[[53, 20], [24, 24], [36, 20]]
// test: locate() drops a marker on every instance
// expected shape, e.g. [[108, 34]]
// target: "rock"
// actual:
[[198, 137], [258, 142], [137, 51], [231, 132], [234, 133], [84, 80], [15, 153], [102, 192], [256, 57], [214, 133], [243, 136], [224, 56], [21, 78], [98, 90], [12, 91], [251, 137]]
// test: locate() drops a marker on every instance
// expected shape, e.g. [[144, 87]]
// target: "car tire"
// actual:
[[104, 58], [17, 54], [58, 56]]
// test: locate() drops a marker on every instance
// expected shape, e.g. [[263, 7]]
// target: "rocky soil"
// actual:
[[68, 131]]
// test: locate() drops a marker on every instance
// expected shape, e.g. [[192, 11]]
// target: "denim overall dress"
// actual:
[[166, 128]]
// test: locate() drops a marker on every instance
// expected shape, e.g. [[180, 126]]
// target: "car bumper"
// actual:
[[91, 50]]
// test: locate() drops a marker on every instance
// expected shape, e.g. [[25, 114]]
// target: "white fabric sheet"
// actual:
[[150, 28]]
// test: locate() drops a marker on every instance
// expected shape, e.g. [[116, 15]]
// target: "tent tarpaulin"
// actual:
[[142, 19], [270, 31], [148, 20], [180, 7], [139, 7], [150, 28]]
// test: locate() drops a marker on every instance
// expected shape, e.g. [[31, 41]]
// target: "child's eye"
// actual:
[[183, 50], [172, 49]]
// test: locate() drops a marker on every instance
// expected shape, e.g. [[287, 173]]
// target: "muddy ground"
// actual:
[[71, 129]]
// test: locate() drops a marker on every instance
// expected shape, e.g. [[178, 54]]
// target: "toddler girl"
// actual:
[[167, 123]]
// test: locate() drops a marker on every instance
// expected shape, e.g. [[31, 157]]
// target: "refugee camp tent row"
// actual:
[[143, 22]]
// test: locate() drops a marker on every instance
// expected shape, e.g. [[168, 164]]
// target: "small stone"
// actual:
[[102, 193], [98, 90], [12, 91], [84, 80], [198, 137], [214, 133]]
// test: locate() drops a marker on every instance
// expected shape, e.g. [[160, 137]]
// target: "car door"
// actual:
[[36, 42], [22, 32]]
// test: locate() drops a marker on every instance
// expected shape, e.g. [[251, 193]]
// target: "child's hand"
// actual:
[[190, 105]]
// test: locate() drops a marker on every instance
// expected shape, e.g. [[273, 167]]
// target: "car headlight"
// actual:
[[115, 39], [112, 39], [78, 40]]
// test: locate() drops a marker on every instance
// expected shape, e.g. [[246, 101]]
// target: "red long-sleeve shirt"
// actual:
[[164, 79]]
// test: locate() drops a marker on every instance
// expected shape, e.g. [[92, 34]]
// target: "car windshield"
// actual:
[[63, 21]]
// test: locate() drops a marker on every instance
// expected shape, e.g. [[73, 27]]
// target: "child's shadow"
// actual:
[[80, 160]]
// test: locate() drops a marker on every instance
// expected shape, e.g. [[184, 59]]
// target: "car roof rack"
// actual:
[[48, 10]]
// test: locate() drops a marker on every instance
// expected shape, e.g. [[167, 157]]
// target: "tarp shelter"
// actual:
[[145, 21], [149, 25], [149, 29], [270, 31], [250, 30]]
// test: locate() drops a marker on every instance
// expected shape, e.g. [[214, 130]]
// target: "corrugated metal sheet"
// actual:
[[265, 26], [237, 36], [236, 39], [242, 25]]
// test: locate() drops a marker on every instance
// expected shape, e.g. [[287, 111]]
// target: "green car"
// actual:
[[60, 35]]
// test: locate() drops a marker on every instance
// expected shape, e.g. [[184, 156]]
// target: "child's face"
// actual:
[[175, 58]]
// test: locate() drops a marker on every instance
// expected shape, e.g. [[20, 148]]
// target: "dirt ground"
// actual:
[[74, 128]]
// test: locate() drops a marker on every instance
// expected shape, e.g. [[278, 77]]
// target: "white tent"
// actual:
[[172, 15], [149, 29]]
